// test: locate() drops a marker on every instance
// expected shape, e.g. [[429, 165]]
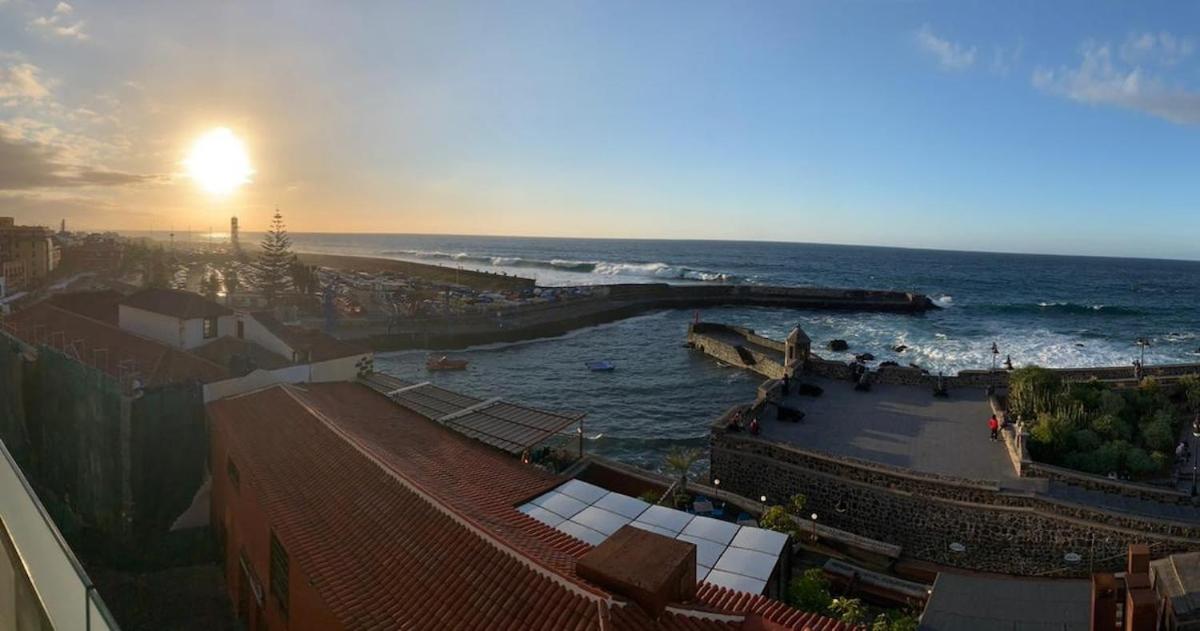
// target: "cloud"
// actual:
[[59, 23], [950, 55], [1004, 58], [1101, 80], [22, 81], [1163, 48], [29, 165]]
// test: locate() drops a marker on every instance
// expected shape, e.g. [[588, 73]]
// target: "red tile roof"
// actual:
[[400, 522], [99, 304], [184, 305], [108, 347]]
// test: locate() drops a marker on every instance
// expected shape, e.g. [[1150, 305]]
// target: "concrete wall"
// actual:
[[1003, 531], [259, 334], [704, 337], [169, 330]]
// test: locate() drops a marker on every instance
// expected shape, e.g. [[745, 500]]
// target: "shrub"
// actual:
[[1031, 391], [810, 591], [1084, 440], [1139, 462], [1112, 427], [1159, 433], [894, 622], [848, 610], [1189, 386]]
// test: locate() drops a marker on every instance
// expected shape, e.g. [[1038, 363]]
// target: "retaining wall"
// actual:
[[1003, 531]]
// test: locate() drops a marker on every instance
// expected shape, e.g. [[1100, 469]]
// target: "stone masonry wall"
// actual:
[[1019, 533]]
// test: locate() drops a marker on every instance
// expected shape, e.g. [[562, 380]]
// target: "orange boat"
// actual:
[[442, 362]]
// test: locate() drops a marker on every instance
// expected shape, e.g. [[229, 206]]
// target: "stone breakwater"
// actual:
[[998, 530], [608, 303]]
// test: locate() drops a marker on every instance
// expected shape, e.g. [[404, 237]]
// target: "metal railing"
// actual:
[[66, 594]]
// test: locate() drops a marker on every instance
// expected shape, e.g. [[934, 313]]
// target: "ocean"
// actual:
[[1046, 310]]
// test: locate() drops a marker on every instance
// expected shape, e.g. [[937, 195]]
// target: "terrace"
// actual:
[[897, 426]]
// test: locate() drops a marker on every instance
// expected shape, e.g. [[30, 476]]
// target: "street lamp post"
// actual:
[[814, 524], [1195, 448], [995, 355], [1142, 343]]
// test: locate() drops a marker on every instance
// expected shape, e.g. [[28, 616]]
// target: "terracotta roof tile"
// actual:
[[176, 303], [400, 522], [108, 347]]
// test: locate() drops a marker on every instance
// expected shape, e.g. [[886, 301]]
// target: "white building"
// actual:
[[177, 318]]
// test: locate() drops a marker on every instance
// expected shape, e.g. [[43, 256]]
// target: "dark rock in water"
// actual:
[[900, 348], [838, 345], [865, 357], [888, 363], [915, 365], [1079, 344]]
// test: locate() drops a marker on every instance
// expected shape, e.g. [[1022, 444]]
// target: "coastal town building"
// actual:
[[1176, 580], [338, 508], [28, 254], [181, 319]]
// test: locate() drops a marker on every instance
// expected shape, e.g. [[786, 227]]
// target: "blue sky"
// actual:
[[1020, 126]]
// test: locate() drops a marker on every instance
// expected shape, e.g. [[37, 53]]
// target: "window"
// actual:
[[235, 477], [210, 328], [279, 573], [241, 330]]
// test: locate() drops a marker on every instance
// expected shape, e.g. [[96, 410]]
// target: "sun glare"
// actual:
[[218, 162]]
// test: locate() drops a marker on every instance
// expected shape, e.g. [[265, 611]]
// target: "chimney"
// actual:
[[1104, 602], [646, 567], [1138, 559]]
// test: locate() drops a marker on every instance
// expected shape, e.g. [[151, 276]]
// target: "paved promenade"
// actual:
[[902, 426]]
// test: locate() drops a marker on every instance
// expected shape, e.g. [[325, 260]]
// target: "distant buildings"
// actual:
[[28, 254]]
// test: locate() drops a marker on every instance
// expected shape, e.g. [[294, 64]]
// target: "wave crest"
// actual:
[[606, 268]]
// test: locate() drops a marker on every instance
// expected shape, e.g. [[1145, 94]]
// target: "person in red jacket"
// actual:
[[994, 425]]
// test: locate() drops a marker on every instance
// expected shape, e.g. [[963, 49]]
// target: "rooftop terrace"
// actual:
[[899, 426]]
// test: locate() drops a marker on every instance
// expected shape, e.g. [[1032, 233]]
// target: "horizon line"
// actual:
[[701, 240]]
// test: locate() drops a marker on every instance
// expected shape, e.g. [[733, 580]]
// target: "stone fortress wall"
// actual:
[[1021, 531], [1001, 530]]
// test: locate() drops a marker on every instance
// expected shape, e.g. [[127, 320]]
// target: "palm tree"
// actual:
[[680, 460]]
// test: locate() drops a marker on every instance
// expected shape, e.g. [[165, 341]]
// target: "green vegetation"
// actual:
[[680, 461], [810, 592], [783, 518], [1094, 428], [275, 261]]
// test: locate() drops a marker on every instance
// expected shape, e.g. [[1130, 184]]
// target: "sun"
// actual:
[[218, 162]]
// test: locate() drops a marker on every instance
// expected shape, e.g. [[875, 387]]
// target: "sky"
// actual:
[[1064, 127]]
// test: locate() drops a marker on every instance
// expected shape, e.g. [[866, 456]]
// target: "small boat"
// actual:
[[603, 365], [441, 362]]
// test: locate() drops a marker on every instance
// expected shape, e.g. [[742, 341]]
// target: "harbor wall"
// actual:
[[609, 303], [1015, 532], [437, 273], [736, 346]]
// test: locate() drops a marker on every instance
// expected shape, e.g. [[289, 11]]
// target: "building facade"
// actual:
[[28, 254]]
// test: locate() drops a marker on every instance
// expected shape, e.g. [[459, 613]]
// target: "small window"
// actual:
[[279, 573], [241, 330], [235, 477], [210, 328]]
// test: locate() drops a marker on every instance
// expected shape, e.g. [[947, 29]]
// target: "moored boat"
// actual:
[[442, 362]]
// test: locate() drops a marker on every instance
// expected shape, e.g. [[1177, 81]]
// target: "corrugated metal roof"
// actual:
[[507, 426]]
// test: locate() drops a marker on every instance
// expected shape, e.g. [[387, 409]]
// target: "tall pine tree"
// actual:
[[275, 261]]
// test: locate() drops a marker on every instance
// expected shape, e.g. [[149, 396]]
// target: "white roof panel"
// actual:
[[655, 529], [666, 518], [582, 532], [582, 491], [747, 563], [564, 505], [600, 520], [760, 539], [707, 552], [716, 530], [736, 582], [630, 507], [542, 515]]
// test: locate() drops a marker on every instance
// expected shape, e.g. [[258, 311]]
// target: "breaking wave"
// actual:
[[644, 270], [1070, 308]]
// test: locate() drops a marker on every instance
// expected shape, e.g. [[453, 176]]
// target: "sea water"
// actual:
[[1045, 310]]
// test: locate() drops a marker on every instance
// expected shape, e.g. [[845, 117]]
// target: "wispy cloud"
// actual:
[[1103, 79], [21, 80], [950, 55], [60, 23], [1005, 58], [1163, 48]]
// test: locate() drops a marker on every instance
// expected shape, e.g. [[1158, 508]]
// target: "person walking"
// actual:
[[994, 426]]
